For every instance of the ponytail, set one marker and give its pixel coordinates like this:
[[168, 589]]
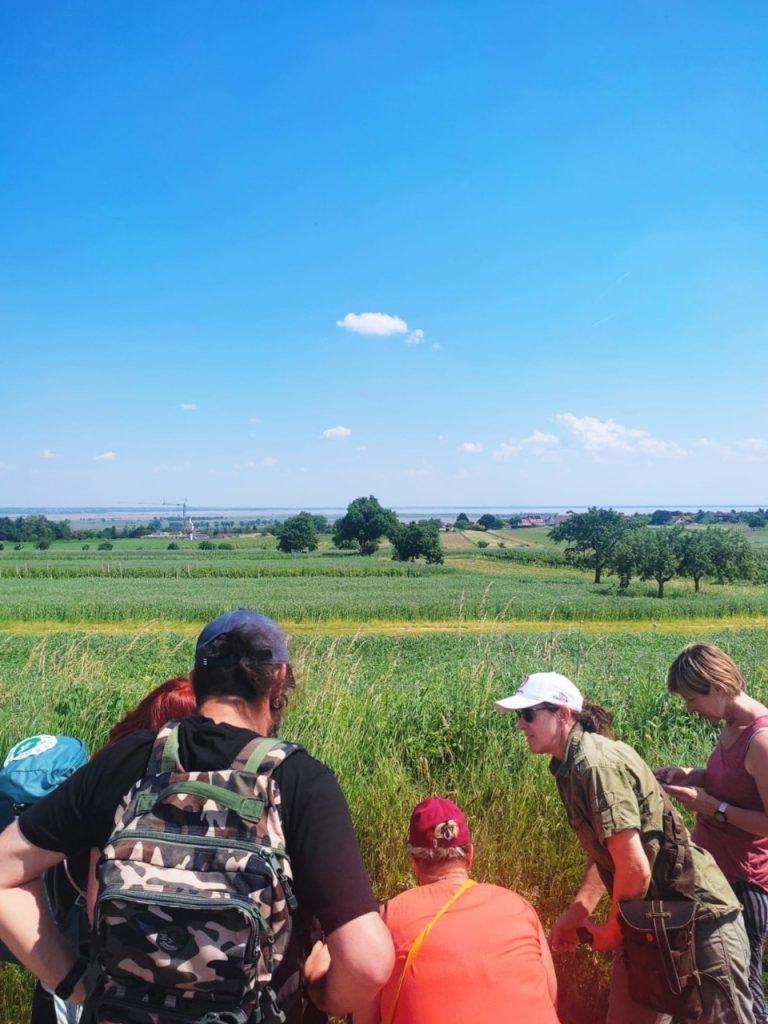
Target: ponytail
[[595, 718]]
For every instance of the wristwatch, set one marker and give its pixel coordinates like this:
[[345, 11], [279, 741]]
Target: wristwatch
[[720, 814]]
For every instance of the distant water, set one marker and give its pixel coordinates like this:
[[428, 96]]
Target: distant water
[[141, 512]]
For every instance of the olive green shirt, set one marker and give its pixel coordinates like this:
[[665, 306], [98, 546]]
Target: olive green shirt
[[606, 788]]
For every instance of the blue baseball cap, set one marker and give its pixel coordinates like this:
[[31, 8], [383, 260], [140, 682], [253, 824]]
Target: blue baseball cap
[[267, 639]]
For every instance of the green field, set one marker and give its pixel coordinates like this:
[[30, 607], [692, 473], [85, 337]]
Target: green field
[[76, 652]]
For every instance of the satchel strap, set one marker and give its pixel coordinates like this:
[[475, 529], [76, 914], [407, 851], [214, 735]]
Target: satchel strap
[[659, 917]]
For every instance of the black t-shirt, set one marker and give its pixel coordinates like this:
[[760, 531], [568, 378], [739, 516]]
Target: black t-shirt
[[330, 880]]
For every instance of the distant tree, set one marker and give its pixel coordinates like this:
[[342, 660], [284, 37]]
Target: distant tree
[[173, 546], [483, 544], [662, 516], [704, 518], [490, 522], [206, 545], [321, 524], [696, 554], [366, 521], [462, 521], [43, 545], [592, 537], [625, 558], [731, 555], [515, 521], [224, 545], [658, 554], [297, 533], [106, 545], [416, 540]]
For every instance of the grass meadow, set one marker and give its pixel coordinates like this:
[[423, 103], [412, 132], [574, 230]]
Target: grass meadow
[[400, 712]]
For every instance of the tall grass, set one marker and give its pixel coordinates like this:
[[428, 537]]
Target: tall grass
[[399, 719]]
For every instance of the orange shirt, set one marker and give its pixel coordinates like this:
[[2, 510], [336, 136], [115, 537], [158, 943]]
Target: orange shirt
[[480, 964]]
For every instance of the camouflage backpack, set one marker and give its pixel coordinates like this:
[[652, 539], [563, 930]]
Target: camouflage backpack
[[193, 913]]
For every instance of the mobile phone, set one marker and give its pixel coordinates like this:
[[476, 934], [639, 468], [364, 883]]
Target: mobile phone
[[585, 936]]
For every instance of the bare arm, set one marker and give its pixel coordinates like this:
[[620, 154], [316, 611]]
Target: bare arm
[[632, 876], [370, 1014], [696, 798], [678, 776], [361, 961], [26, 924], [563, 936]]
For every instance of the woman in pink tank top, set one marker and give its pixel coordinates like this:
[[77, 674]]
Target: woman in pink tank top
[[730, 795]]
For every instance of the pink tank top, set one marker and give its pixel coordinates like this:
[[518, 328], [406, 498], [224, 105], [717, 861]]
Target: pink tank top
[[741, 856]]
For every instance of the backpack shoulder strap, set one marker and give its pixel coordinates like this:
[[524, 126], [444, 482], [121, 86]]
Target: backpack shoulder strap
[[165, 751], [261, 755]]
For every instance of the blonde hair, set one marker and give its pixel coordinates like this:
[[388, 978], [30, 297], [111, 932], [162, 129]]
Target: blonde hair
[[699, 667]]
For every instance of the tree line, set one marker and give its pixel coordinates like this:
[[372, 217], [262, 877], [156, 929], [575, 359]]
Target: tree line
[[607, 542], [361, 529]]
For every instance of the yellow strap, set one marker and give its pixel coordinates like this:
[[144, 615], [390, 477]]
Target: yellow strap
[[413, 952]]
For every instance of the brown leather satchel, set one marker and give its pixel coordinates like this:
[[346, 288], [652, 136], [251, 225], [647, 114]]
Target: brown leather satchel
[[659, 932], [660, 955]]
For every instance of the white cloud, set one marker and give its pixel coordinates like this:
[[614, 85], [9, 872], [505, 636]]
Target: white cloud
[[268, 461], [336, 432], [753, 445], [415, 337], [436, 346], [5, 465], [507, 450], [46, 453], [538, 443], [105, 457], [601, 436], [362, 448], [470, 447], [381, 324], [188, 406], [254, 419]]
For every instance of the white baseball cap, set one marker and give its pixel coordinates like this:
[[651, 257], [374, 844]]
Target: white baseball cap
[[543, 688]]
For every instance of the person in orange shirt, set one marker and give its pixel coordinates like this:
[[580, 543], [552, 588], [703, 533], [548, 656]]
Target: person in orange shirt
[[464, 951]]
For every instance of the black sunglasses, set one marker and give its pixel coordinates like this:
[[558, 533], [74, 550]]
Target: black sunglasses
[[528, 714]]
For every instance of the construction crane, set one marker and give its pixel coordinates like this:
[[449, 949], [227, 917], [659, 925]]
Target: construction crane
[[187, 526]]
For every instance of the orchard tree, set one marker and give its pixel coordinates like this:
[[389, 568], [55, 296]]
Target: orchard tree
[[696, 551], [297, 533], [591, 537], [731, 555], [417, 540], [490, 522], [658, 552], [626, 557], [366, 522]]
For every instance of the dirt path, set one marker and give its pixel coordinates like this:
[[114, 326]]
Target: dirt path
[[342, 627]]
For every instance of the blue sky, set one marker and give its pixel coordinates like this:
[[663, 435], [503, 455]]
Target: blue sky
[[446, 253]]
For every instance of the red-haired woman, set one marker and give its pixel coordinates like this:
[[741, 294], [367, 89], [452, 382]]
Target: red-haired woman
[[168, 702]]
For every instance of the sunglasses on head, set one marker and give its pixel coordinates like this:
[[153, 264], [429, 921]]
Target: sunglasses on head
[[528, 714]]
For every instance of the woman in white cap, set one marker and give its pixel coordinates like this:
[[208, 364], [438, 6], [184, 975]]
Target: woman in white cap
[[615, 806]]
